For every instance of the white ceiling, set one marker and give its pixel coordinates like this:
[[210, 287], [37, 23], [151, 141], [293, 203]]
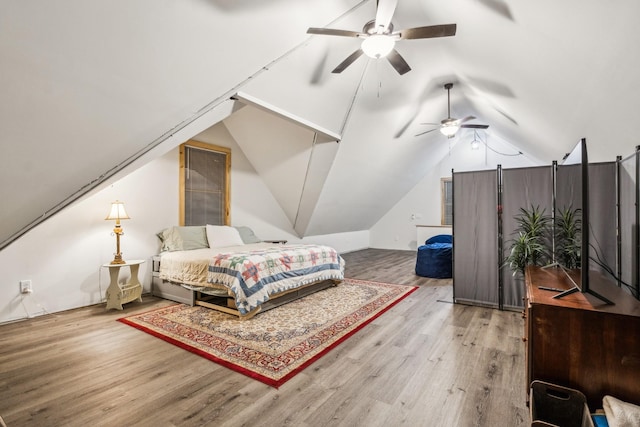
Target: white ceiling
[[87, 85]]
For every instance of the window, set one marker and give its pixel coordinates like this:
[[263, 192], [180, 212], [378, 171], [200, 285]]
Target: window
[[204, 184], [446, 185]]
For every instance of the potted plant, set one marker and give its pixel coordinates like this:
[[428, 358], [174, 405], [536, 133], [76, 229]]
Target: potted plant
[[529, 246], [568, 232]]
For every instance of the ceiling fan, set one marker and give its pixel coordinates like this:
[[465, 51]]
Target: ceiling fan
[[450, 126], [379, 38]]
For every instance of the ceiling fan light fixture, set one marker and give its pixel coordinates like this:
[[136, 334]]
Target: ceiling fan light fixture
[[378, 45], [449, 129]]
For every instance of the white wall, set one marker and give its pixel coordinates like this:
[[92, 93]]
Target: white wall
[[253, 204], [63, 255], [342, 242], [422, 205]]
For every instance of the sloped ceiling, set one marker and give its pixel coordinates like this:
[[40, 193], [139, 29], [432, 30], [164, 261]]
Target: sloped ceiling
[[87, 86], [291, 159]]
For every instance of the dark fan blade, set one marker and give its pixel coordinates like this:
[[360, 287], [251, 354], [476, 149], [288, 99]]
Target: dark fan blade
[[427, 131], [332, 32], [350, 59], [466, 119], [501, 8], [398, 62], [429, 32], [384, 13], [474, 126]]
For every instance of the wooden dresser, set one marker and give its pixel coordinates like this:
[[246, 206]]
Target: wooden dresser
[[580, 342]]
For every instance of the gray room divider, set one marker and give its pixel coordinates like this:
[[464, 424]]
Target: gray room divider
[[524, 187], [475, 230], [603, 217], [602, 209], [486, 203], [628, 218], [568, 187]]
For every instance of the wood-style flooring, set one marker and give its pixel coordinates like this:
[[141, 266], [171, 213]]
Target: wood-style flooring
[[425, 362]]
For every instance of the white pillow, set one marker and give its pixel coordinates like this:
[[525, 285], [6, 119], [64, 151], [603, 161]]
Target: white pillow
[[620, 413], [223, 235]]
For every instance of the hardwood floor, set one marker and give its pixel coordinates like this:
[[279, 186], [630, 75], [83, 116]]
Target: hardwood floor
[[426, 362]]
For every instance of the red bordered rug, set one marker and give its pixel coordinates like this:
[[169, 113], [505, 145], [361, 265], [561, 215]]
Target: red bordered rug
[[275, 345]]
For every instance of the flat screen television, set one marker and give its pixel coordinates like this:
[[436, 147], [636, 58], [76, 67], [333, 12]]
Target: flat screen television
[[579, 156]]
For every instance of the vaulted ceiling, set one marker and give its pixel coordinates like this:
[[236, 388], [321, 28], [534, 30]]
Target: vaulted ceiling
[[88, 86]]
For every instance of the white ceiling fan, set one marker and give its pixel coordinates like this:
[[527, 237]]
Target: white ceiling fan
[[379, 38], [450, 126]]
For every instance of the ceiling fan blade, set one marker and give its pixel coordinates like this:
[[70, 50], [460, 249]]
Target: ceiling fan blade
[[384, 12], [398, 62], [431, 124], [429, 32], [472, 126], [350, 60], [466, 119], [332, 32], [499, 7], [427, 131]]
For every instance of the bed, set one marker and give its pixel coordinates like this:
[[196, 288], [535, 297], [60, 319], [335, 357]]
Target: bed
[[240, 275]]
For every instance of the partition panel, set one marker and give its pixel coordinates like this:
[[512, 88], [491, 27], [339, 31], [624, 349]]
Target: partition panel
[[475, 229], [628, 226], [602, 217], [521, 188], [569, 187]]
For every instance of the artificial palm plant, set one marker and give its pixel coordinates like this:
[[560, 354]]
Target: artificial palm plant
[[529, 247], [568, 232]]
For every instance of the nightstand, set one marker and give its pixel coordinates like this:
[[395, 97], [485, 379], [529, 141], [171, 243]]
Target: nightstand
[[121, 294]]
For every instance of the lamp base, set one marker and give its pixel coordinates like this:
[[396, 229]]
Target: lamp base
[[118, 260], [118, 255]]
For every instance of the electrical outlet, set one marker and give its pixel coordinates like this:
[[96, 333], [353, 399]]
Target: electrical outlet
[[25, 287]]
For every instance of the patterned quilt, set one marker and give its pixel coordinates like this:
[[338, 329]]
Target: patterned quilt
[[254, 276]]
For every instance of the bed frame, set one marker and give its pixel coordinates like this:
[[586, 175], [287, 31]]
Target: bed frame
[[226, 304]]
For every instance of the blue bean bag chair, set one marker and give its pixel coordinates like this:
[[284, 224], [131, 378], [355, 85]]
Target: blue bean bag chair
[[435, 257]]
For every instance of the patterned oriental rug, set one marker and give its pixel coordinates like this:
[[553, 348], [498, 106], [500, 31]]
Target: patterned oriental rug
[[274, 346]]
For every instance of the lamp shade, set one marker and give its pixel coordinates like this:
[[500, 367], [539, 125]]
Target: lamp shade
[[377, 45], [117, 211]]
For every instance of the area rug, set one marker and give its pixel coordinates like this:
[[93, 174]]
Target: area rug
[[274, 346]]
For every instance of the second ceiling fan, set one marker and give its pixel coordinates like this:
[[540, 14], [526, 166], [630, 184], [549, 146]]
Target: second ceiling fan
[[379, 38], [450, 126]]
